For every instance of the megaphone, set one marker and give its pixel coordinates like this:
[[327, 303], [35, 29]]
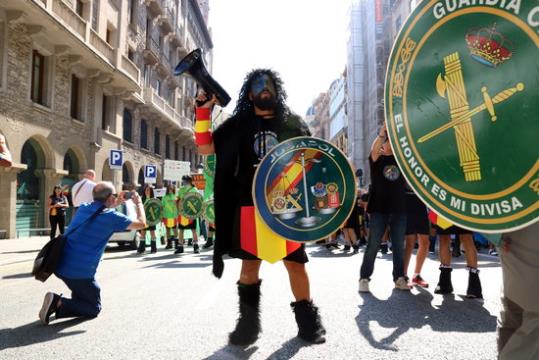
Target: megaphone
[[193, 65]]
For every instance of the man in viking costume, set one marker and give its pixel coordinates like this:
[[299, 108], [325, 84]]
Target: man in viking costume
[[260, 121]]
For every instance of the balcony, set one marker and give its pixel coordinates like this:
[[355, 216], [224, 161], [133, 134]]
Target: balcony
[[155, 7], [166, 20], [70, 18], [160, 105], [102, 46], [152, 51], [130, 68]]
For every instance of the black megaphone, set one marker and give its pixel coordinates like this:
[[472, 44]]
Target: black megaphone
[[193, 65]]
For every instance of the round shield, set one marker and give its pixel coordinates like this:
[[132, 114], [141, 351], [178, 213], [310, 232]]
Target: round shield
[[191, 206], [153, 210], [304, 189], [209, 211], [461, 105]]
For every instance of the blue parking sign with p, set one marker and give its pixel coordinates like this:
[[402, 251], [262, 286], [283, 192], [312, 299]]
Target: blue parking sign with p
[[150, 174], [116, 159]]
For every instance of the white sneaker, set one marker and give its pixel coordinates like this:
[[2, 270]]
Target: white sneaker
[[402, 284], [364, 285]]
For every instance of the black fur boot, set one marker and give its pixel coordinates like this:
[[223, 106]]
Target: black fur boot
[[309, 323], [248, 326], [474, 285], [444, 284], [153, 246], [141, 246]]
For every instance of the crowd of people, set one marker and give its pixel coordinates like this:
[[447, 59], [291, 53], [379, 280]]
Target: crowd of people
[[388, 212]]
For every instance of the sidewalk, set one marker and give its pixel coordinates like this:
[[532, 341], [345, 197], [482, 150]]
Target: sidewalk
[[19, 250]]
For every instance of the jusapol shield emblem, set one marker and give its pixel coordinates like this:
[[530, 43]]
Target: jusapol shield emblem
[[461, 105], [304, 189]]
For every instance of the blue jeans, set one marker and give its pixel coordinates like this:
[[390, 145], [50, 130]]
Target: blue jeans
[[397, 229], [85, 299]]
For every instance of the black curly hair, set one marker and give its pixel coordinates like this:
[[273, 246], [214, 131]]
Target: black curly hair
[[245, 105]]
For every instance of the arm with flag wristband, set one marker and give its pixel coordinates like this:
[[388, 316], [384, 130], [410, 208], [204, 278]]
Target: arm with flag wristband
[[203, 126]]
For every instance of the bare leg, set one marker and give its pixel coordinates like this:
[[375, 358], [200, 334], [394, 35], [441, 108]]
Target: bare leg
[[471, 252], [299, 280], [421, 252], [249, 271], [410, 242], [181, 240], [445, 254], [350, 235]]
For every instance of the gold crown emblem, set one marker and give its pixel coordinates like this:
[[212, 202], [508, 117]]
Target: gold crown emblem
[[488, 46]]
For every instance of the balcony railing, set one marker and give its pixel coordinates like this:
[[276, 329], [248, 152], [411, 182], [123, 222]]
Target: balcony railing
[[151, 97], [69, 17], [129, 67], [102, 46]]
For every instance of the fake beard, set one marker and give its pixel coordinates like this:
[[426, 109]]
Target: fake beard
[[265, 103]]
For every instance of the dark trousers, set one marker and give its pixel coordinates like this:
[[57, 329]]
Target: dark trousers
[[85, 299], [57, 220]]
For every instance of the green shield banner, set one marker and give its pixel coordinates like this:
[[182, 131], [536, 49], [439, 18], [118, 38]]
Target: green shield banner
[[462, 109], [191, 205]]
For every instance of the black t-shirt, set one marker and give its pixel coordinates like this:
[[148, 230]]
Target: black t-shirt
[[59, 200], [257, 138], [388, 189]]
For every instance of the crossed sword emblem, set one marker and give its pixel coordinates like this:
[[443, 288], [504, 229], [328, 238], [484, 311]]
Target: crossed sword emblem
[[452, 86]]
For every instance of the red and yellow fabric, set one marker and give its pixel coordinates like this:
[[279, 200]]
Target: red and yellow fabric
[[293, 173], [203, 126], [439, 220], [256, 238], [183, 221]]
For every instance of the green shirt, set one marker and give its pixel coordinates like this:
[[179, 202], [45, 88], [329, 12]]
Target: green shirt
[[170, 206]]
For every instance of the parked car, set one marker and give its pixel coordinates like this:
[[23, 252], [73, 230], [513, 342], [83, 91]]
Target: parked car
[[126, 238]]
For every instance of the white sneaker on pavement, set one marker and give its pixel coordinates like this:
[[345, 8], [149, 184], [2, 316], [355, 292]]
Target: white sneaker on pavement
[[402, 284], [364, 285]]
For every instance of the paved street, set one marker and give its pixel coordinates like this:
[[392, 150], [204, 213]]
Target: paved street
[[169, 307]]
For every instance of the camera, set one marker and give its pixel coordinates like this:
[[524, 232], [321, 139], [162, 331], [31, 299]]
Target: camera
[[128, 195]]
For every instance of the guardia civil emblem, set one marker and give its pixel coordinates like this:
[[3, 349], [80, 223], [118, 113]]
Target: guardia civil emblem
[[304, 189], [192, 205], [208, 211], [153, 210], [461, 101]]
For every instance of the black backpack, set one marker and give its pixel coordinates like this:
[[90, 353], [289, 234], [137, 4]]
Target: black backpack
[[49, 256]]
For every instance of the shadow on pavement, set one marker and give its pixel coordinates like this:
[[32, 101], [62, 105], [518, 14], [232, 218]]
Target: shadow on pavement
[[177, 264], [35, 332], [231, 352], [404, 311], [289, 349], [17, 276]]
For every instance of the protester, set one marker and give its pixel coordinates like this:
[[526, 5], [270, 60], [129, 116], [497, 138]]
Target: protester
[[445, 285], [5, 155], [518, 324], [147, 194], [261, 113], [57, 204], [351, 226], [417, 228], [82, 191], [387, 207], [83, 251], [183, 222], [170, 216]]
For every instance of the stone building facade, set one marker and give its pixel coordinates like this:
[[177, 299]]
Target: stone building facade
[[81, 77]]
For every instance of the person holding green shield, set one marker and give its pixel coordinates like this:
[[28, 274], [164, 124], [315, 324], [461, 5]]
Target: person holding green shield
[[170, 216], [147, 194], [183, 222]]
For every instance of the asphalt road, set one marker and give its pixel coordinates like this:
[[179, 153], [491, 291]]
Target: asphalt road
[[163, 306]]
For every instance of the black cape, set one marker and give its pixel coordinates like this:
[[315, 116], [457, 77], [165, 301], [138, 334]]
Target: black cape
[[226, 139]]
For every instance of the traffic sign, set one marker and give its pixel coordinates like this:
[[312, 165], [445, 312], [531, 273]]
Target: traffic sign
[[150, 174], [116, 159]]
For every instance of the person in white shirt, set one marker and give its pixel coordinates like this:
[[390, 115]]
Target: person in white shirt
[[81, 192], [5, 155]]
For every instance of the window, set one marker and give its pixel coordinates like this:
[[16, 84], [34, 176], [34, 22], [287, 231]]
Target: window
[[183, 153], [106, 123], [38, 78], [76, 98], [176, 151], [158, 87], [95, 14], [167, 147], [111, 35], [131, 54], [131, 11], [2, 51], [79, 7], [128, 126], [156, 142], [143, 134]]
